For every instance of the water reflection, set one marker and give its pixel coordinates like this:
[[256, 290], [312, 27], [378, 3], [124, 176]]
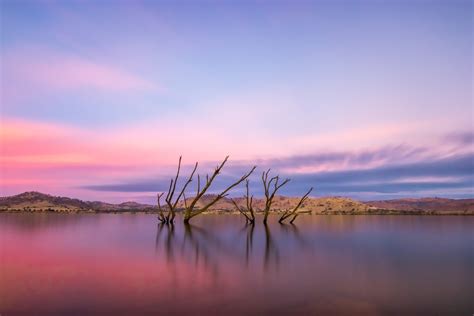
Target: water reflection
[[293, 231], [202, 247], [218, 265], [272, 255], [249, 229]]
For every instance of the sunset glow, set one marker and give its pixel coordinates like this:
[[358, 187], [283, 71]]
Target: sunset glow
[[99, 100]]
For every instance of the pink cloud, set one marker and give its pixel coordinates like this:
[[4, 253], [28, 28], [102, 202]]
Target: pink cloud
[[43, 70], [73, 72], [150, 145], [59, 158]]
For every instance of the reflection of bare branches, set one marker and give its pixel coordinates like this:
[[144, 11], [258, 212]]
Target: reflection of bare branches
[[213, 240], [187, 247], [158, 235], [300, 239], [199, 246], [169, 243], [200, 250], [207, 249], [271, 250], [249, 243]]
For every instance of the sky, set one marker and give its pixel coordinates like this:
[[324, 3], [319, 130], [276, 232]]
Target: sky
[[365, 99]]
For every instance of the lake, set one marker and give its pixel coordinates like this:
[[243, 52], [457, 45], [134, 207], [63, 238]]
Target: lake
[[126, 264]]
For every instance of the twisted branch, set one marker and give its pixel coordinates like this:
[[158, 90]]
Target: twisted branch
[[250, 217], [190, 211], [293, 212], [173, 203], [270, 191]]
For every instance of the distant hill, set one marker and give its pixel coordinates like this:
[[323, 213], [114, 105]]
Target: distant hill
[[35, 201], [425, 204], [315, 205]]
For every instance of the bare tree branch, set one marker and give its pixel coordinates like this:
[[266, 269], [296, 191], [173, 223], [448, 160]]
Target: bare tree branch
[[293, 212], [248, 212], [175, 180], [184, 201], [173, 203], [161, 215], [270, 191], [247, 218], [190, 179], [190, 211]]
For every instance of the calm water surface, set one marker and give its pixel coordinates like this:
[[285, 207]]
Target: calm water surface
[[325, 265]]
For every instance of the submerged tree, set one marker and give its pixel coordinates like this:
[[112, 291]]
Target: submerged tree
[[294, 212], [191, 210], [170, 202], [270, 189], [248, 211], [161, 214]]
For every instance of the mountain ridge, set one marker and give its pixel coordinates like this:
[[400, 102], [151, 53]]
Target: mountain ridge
[[33, 201], [40, 201]]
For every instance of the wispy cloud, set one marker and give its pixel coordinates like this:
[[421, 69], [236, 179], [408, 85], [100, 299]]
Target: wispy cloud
[[39, 71], [336, 160], [464, 138], [457, 171], [422, 177], [142, 159]]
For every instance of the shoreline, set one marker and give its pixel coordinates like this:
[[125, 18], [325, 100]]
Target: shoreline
[[224, 212]]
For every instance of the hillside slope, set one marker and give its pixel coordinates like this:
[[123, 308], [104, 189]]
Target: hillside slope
[[315, 205], [425, 204], [36, 201]]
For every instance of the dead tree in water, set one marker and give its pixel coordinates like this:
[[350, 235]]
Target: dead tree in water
[[191, 211], [170, 202], [294, 212], [248, 212], [161, 214], [270, 191]]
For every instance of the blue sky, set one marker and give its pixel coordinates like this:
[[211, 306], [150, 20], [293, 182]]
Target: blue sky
[[126, 87]]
